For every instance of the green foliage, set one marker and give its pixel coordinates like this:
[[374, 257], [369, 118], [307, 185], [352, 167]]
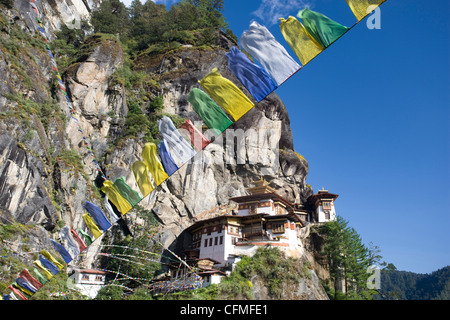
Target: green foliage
[[72, 158], [111, 17], [26, 107], [144, 268], [348, 259], [403, 285], [271, 265], [110, 293], [151, 26], [57, 289]]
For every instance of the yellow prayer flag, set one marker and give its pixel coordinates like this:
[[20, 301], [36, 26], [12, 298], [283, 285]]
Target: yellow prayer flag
[[299, 39], [92, 226], [153, 164], [113, 193], [38, 264], [226, 94], [360, 8], [47, 255], [142, 175]]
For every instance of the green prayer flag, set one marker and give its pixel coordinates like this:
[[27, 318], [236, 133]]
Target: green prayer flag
[[207, 109], [39, 276], [127, 192], [87, 237], [321, 28]]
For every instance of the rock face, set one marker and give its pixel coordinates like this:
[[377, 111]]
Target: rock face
[[56, 12], [46, 173]]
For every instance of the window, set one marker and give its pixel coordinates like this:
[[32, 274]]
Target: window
[[98, 278], [206, 242], [210, 241], [215, 240], [326, 205], [233, 240], [327, 215], [221, 239], [278, 227], [85, 277]]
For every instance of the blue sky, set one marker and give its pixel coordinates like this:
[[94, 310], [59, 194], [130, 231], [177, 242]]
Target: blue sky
[[371, 116]]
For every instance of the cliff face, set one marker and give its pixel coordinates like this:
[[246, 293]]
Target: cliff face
[[46, 174]]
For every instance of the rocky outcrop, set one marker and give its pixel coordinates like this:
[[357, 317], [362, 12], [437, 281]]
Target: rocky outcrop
[[46, 173], [56, 12]]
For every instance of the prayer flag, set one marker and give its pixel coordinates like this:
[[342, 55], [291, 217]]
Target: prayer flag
[[33, 281], [38, 264], [142, 176], [77, 238], [166, 158], [127, 192], [226, 94], [115, 197], [207, 109], [97, 214], [197, 138], [262, 46], [62, 251], [91, 225], [179, 147], [254, 78], [153, 164], [298, 38], [322, 28], [87, 237], [360, 8], [66, 237]]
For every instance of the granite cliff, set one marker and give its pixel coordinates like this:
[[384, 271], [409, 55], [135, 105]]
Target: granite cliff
[[45, 172]]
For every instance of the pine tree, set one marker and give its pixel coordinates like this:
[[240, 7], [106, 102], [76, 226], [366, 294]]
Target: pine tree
[[348, 258]]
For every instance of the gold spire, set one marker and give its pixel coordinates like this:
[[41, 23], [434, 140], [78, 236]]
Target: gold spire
[[261, 186]]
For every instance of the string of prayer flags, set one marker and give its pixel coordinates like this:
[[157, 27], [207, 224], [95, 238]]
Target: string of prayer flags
[[307, 39], [127, 192], [153, 164], [254, 78], [179, 147], [115, 197], [142, 176], [210, 113], [226, 94], [91, 225], [273, 57], [197, 138], [97, 214], [321, 28], [166, 158], [301, 42], [361, 8]]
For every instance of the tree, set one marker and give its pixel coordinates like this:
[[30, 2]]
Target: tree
[[111, 17], [348, 258]]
